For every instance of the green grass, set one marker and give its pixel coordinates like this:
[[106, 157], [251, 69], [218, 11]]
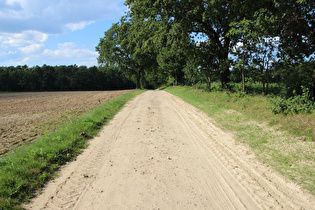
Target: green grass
[[25, 170], [286, 142]]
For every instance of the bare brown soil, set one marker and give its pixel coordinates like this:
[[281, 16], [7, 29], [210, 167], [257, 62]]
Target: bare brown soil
[[26, 116], [161, 153]]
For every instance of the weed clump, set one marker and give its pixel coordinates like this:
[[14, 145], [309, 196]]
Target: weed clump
[[295, 104]]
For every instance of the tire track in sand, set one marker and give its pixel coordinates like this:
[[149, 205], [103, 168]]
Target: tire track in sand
[[161, 153]]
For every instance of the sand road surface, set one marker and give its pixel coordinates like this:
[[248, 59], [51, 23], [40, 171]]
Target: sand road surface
[[161, 153]]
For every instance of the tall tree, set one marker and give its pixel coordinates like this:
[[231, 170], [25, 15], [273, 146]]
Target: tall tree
[[295, 23], [172, 44], [48, 77], [211, 18], [296, 20], [63, 76], [128, 46], [208, 60], [256, 45]]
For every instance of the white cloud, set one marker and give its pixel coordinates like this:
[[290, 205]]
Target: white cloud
[[25, 60], [78, 26], [26, 24], [10, 5], [53, 17], [24, 38], [33, 48], [66, 54], [12, 52], [67, 45]]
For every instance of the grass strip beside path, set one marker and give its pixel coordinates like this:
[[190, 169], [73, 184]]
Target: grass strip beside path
[[25, 170], [284, 142]]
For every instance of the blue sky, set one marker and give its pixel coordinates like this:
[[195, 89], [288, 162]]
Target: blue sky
[[54, 32]]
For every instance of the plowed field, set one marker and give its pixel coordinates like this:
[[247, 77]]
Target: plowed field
[[26, 116]]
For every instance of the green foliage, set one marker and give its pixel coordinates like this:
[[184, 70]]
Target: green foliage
[[61, 78], [127, 45], [208, 19], [294, 76], [295, 104], [259, 35], [296, 29], [25, 170]]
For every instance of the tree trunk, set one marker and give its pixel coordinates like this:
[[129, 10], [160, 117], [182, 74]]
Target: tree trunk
[[224, 70], [209, 82], [243, 80], [267, 79], [263, 76], [264, 89], [138, 79]]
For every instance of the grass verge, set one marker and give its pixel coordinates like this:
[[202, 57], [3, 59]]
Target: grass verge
[[286, 142], [25, 170]]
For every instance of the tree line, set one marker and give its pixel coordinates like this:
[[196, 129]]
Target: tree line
[[189, 42], [62, 78]]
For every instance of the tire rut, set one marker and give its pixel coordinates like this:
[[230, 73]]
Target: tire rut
[[266, 185], [161, 153], [70, 191]]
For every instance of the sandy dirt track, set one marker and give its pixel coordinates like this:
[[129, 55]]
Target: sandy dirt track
[[161, 153]]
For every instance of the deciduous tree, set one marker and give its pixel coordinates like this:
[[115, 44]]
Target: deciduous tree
[[211, 18], [127, 45]]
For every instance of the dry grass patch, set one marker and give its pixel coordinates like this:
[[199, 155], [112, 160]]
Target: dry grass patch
[[286, 142]]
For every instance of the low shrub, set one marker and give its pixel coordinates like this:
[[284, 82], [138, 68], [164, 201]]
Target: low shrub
[[296, 104]]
